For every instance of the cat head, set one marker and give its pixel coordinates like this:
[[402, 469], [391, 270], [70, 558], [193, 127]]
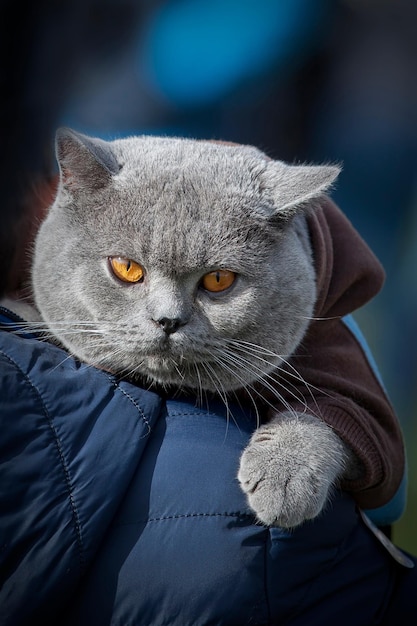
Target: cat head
[[178, 261]]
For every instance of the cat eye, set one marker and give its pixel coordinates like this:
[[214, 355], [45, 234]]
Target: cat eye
[[219, 280], [126, 270]]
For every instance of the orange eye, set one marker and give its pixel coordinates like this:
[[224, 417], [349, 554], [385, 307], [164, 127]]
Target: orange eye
[[219, 280], [126, 270]]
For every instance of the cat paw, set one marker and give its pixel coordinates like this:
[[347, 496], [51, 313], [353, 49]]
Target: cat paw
[[289, 468]]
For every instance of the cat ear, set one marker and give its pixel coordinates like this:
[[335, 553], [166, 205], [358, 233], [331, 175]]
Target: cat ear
[[84, 162], [292, 186]]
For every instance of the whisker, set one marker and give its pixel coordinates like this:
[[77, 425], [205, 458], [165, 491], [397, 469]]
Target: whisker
[[200, 386], [223, 394], [245, 385], [227, 363], [310, 387], [319, 319], [291, 371], [180, 374], [218, 385]]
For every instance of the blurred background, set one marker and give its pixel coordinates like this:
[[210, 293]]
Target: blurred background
[[304, 80]]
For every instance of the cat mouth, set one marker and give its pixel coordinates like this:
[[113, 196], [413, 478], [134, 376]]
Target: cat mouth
[[171, 366], [173, 350], [165, 360], [165, 370]]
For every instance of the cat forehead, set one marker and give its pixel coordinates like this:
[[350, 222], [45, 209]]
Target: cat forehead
[[189, 167], [183, 186]]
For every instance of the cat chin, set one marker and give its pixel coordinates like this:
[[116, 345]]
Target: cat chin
[[167, 373], [192, 383]]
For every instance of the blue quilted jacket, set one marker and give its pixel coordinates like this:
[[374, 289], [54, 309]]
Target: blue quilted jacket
[[121, 508]]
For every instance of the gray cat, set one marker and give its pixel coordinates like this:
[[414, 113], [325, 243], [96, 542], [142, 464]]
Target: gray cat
[[187, 264]]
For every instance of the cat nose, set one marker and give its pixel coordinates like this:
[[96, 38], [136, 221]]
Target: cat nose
[[169, 325]]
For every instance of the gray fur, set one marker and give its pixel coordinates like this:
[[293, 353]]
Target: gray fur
[[183, 208]]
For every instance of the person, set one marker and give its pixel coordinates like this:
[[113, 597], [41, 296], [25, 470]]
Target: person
[[120, 506]]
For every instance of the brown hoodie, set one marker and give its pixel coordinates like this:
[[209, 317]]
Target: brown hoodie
[[347, 394]]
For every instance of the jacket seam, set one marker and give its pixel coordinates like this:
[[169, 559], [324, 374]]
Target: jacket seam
[[164, 518], [64, 465], [134, 402]]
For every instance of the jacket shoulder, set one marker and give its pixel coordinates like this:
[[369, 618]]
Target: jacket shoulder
[[65, 426]]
